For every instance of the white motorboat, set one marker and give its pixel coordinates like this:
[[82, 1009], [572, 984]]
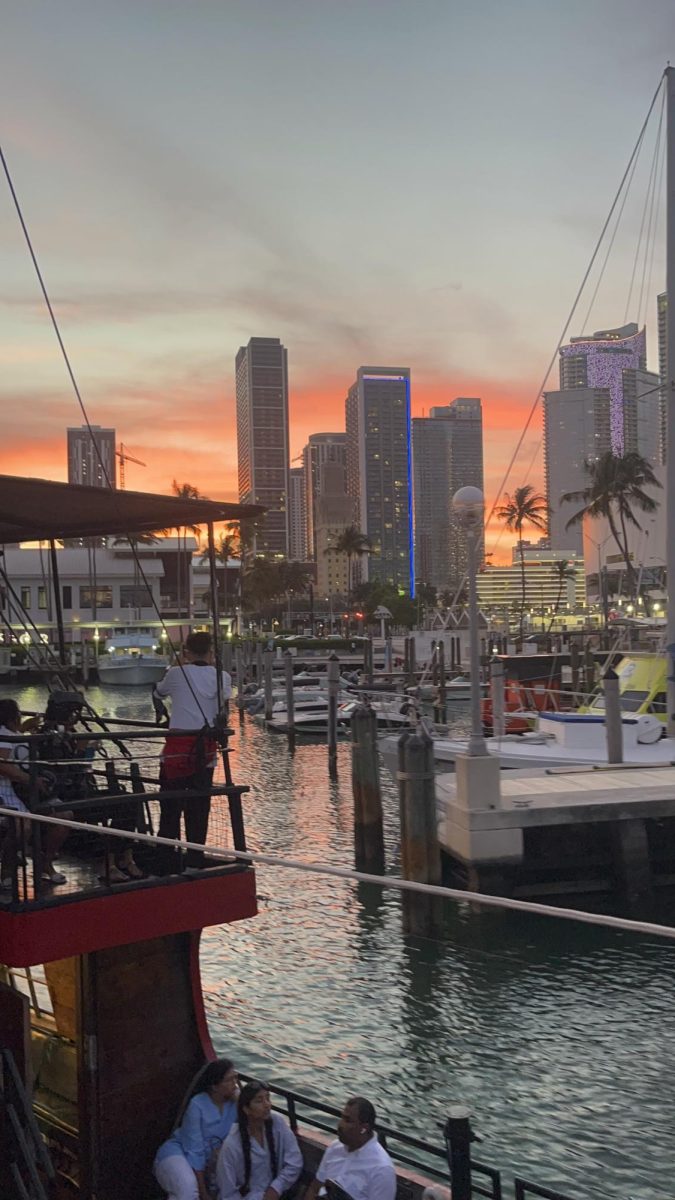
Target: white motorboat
[[560, 740], [390, 714], [131, 660]]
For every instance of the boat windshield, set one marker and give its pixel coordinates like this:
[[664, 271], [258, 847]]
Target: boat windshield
[[630, 701]]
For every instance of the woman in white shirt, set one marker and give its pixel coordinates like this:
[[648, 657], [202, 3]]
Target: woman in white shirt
[[260, 1159]]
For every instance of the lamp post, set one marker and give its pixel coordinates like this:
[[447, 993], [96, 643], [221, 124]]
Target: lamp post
[[468, 505]]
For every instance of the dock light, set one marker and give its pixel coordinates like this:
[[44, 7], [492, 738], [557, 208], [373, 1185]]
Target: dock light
[[163, 635], [96, 635], [657, 608], [468, 505], [25, 639]]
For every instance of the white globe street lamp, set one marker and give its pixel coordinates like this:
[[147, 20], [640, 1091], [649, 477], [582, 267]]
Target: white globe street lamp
[[468, 505]]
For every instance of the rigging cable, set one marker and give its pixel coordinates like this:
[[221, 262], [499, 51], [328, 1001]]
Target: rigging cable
[[396, 882], [83, 410]]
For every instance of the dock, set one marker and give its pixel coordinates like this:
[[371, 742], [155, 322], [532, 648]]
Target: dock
[[564, 831]]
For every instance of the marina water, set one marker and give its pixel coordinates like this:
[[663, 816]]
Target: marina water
[[559, 1037]]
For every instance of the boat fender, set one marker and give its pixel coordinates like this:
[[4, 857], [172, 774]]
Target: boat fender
[[649, 729]]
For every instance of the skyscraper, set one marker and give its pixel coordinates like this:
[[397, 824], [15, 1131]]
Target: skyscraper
[[93, 465], [321, 448], [607, 400], [297, 511], [262, 440], [379, 471], [447, 455]]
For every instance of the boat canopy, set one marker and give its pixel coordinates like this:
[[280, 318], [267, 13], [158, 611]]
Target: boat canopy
[[41, 509]]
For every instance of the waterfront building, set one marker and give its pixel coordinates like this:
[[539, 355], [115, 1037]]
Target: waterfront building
[[500, 587], [321, 448], [262, 440], [607, 401], [89, 464], [334, 514], [447, 455], [297, 513], [379, 473]]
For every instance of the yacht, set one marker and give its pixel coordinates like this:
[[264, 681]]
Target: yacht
[[131, 660]]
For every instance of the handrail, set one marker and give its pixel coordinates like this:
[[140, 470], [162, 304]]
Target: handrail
[[20, 1100]]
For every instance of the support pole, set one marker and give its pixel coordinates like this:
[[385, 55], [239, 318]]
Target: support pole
[[420, 852], [442, 699], [290, 699], [412, 661], [213, 592], [368, 823], [497, 698], [60, 633], [458, 1137], [333, 690], [258, 663], [613, 726], [669, 389], [268, 659], [239, 668], [388, 655]]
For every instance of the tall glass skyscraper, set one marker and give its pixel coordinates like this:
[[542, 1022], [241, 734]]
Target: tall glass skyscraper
[[93, 465], [262, 440], [379, 477]]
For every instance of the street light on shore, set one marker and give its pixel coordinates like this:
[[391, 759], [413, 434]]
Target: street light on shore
[[468, 505]]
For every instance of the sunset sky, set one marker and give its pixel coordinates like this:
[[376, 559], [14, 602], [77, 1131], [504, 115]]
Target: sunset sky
[[414, 183]]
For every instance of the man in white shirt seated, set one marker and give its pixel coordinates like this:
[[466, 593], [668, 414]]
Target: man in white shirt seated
[[188, 762], [356, 1163]]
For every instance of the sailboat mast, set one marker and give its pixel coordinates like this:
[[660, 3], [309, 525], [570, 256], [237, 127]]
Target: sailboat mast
[[669, 387]]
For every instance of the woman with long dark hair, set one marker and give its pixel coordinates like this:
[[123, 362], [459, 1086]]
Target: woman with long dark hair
[[260, 1159], [184, 1164]]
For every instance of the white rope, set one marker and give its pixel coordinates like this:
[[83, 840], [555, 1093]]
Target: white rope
[[384, 881]]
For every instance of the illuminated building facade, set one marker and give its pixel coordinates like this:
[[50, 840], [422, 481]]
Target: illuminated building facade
[[608, 401], [321, 449], [262, 440], [379, 479], [297, 512], [89, 464]]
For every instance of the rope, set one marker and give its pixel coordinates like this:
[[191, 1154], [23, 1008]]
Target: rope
[[395, 883]]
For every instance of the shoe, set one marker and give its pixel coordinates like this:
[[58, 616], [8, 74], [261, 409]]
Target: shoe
[[54, 877]]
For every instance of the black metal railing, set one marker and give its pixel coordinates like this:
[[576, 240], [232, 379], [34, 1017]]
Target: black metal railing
[[29, 1163], [432, 1161], [107, 794]]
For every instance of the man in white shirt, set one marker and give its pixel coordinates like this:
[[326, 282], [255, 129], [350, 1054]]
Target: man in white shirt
[[188, 761], [356, 1163]]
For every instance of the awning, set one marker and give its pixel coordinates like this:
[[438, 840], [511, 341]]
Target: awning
[[39, 509]]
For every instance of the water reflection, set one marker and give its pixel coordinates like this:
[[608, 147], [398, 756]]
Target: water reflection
[[559, 1037]]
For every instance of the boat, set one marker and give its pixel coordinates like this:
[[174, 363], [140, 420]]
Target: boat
[[313, 720], [131, 660], [457, 690], [559, 740], [643, 680]]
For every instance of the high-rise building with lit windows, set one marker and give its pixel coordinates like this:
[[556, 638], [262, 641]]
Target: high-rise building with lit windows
[[608, 401], [297, 514], [262, 440], [89, 464], [379, 476], [321, 449], [447, 455]]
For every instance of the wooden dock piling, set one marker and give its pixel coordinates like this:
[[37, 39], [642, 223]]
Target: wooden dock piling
[[258, 663], [368, 825], [442, 703], [290, 699], [239, 670], [497, 698], [333, 691], [268, 659], [420, 851], [613, 726]]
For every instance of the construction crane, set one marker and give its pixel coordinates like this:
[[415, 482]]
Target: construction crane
[[124, 457]]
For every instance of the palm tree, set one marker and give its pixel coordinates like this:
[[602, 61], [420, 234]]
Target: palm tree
[[185, 491], [615, 488], [524, 507], [228, 546], [353, 543], [563, 572]]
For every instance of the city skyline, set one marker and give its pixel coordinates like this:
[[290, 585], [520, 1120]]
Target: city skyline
[[177, 216]]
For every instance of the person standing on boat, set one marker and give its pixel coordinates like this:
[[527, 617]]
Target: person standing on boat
[[188, 762], [184, 1164], [355, 1163], [260, 1159]]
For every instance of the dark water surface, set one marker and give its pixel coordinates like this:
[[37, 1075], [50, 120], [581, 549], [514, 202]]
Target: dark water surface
[[560, 1038]]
